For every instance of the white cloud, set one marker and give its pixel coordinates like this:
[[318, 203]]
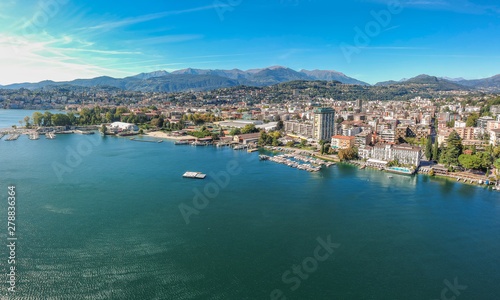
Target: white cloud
[[34, 60], [146, 18]]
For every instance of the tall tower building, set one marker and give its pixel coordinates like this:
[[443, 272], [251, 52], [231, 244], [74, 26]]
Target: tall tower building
[[359, 104], [324, 124]]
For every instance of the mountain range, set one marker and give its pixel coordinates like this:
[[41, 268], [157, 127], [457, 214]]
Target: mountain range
[[208, 79]]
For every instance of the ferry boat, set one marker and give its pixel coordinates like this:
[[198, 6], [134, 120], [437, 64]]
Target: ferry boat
[[194, 175]]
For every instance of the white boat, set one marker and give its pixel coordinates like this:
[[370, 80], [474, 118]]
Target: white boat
[[194, 175]]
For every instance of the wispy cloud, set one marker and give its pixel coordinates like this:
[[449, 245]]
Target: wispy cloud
[[175, 38], [458, 6], [97, 51], [149, 17], [393, 48]]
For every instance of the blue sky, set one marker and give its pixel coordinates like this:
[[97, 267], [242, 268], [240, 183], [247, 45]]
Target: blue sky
[[65, 39]]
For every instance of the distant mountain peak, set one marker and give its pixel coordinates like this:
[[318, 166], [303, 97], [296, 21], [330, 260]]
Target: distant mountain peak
[[153, 74]]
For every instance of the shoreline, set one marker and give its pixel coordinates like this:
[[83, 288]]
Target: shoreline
[[162, 135]]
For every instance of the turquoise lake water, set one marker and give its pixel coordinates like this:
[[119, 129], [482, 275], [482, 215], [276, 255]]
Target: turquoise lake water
[[100, 218]]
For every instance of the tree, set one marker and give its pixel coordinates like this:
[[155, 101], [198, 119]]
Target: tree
[[431, 173], [60, 120], [235, 131], [72, 118], [27, 121], [158, 122], [473, 149], [290, 144], [486, 160], [104, 129], [141, 131], [303, 143], [428, 148], [472, 120], [37, 118], [280, 125], [453, 150], [435, 151], [250, 128], [109, 117], [347, 154], [471, 162], [47, 119]]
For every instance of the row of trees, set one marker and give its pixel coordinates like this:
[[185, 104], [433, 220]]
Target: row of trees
[[94, 116], [454, 154]]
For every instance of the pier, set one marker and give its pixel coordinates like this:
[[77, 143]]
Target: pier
[[50, 135], [13, 137], [147, 141]]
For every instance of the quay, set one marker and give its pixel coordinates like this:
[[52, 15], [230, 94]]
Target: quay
[[194, 175]]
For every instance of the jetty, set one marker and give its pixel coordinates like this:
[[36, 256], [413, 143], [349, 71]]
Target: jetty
[[240, 147], [13, 137], [50, 135], [147, 141], [84, 132], [194, 175]]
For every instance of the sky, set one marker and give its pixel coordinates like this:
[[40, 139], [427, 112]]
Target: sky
[[370, 40]]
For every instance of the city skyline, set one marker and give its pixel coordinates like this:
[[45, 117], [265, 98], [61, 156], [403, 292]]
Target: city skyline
[[372, 40]]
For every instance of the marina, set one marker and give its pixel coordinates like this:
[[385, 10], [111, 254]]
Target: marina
[[310, 165]]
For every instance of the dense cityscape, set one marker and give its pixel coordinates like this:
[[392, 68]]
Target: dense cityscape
[[455, 135]]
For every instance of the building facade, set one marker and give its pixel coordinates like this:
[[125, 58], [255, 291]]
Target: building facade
[[342, 142], [324, 123], [405, 154], [300, 128]]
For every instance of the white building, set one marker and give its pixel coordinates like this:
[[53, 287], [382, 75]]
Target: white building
[[404, 153], [124, 126]]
